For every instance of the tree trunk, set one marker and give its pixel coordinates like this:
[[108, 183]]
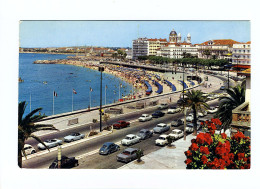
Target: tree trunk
[[194, 120], [20, 160], [184, 132]]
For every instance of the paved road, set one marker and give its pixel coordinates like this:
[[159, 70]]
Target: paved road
[[84, 147]]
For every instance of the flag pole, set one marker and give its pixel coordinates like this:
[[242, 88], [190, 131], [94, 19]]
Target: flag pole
[[30, 102], [53, 103], [106, 95], [119, 92], [72, 102], [90, 98]]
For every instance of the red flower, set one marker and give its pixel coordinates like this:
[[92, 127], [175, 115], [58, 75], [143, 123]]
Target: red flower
[[188, 153], [208, 138], [223, 135], [204, 150], [247, 166], [204, 159], [188, 161], [238, 136], [231, 156], [240, 156], [194, 147]]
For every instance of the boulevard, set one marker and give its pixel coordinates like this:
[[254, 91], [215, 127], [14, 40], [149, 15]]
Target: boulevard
[[96, 161]]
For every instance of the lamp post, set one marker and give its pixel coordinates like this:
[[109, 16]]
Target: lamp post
[[237, 57], [101, 69]]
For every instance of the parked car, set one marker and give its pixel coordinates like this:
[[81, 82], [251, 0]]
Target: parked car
[[202, 114], [190, 117], [162, 140], [212, 110], [176, 134], [73, 137], [158, 114], [66, 162], [130, 139], [222, 88], [145, 133], [163, 106], [127, 155], [145, 117], [176, 123], [173, 110], [28, 149], [160, 128], [108, 148], [189, 127], [49, 143], [121, 124]]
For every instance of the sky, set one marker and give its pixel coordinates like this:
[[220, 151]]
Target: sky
[[121, 33]]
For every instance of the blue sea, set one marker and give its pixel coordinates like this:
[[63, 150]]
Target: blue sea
[[41, 80]]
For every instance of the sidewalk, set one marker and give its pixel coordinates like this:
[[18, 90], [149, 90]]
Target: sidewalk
[[165, 158]]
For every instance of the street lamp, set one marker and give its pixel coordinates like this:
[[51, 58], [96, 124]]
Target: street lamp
[[237, 56], [101, 69]]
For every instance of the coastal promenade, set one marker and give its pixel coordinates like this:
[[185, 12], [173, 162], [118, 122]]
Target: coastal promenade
[[83, 118]]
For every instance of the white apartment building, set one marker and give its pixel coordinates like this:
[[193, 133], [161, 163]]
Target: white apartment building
[[176, 50], [241, 53], [140, 47]]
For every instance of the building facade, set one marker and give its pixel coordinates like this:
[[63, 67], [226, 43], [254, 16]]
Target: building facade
[[216, 49], [177, 50], [154, 45], [241, 53], [140, 47]]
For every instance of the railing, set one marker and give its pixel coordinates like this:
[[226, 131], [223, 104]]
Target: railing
[[241, 116]]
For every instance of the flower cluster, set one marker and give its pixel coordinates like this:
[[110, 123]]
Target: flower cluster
[[218, 151]]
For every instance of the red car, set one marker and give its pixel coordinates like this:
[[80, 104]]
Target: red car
[[121, 124]]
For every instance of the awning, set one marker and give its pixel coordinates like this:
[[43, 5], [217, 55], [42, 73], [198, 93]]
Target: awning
[[241, 66]]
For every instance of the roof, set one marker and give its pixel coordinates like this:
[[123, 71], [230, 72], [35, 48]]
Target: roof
[[161, 124], [163, 136], [157, 39], [228, 42], [130, 135], [176, 130], [130, 149]]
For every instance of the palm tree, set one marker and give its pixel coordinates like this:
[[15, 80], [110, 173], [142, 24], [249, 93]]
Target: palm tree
[[26, 128], [228, 103], [196, 102]]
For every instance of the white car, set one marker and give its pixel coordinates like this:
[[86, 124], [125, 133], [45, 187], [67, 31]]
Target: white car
[[176, 134], [202, 114], [190, 117], [163, 106], [130, 139], [173, 110], [162, 140], [160, 128], [145, 117], [28, 149], [73, 137], [49, 143], [189, 128], [212, 110]]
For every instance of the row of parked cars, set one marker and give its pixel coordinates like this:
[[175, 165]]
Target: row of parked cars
[[50, 143]]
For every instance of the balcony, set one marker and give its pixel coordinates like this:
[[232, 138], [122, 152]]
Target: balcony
[[241, 117]]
